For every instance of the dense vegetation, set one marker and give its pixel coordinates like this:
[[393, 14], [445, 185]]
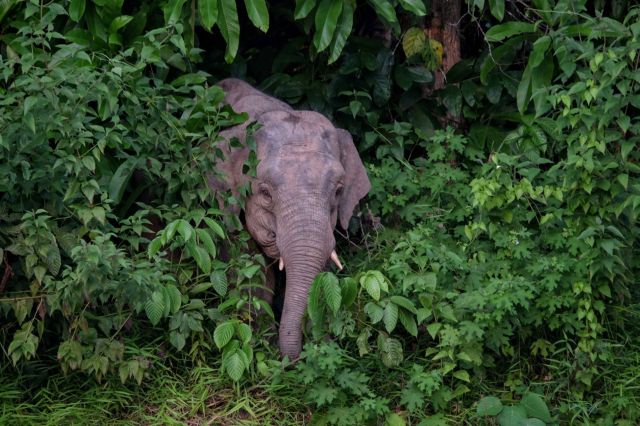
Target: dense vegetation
[[490, 274]]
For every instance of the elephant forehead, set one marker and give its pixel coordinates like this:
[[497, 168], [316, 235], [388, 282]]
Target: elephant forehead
[[296, 132], [311, 169]]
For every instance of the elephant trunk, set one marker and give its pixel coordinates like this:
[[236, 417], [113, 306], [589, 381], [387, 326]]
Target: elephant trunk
[[305, 241]]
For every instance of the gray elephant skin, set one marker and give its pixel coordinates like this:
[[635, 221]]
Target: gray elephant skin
[[308, 177]]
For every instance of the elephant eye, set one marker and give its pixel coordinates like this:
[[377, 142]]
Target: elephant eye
[[338, 191], [265, 193]]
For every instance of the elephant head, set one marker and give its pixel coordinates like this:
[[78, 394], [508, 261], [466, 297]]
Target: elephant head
[[308, 177]]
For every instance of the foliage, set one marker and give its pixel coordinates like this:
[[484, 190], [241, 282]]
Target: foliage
[[85, 138], [531, 410]]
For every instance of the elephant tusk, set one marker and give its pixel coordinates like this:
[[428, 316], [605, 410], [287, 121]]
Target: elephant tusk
[[281, 264], [334, 258]]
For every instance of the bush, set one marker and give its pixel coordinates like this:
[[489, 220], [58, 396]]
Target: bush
[[86, 138]]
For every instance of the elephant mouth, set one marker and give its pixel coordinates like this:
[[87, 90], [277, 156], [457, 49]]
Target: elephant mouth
[[271, 250]]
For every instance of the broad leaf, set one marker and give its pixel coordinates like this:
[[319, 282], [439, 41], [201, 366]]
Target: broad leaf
[[331, 290], [76, 9], [258, 14], [208, 11], [375, 312], [214, 226], [405, 303], [390, 317], [303, 8], [497, 8], [229, 27], [172, 11], [385, 10], [120, 179], [408, 322], [234, 365], [201, 257], [175, 297], [205, 239], [489, 406], [342, 31], [326, 21], [416, 7], [223, 334], [219, 280], [509, 29], [512, 416], [154, 308], [243, 331], [536, 407]]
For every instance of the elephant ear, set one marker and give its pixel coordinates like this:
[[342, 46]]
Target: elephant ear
[[229, 174], [356, 181]]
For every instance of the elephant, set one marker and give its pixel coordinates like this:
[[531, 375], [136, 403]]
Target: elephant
[[308, 177]]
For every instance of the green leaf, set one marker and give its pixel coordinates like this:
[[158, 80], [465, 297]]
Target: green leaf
[[489, 406], [532, 422], [374, 311], [214, 226], [373, 282], [342, 32], [363, 342], [119, 22], [315, 308], [390, 317], [536, 407], [405, 303], [408, 322], [223, 334], [208, 11], [497, 9], [258, 14], [219, 280], [394, 419], [154, 246], [414, 41], [524, 90], [331, 290], [501, 55], [624, 180], [390, 350], [154, 308], [76, 9], [539, 49], [385, 10], [185, 229], [243, 331], [462, 375], [205, 239], [229, 27], [201, 257], [303, 8], [326, 21], [416, 7], [433, 329], [172, 11], [234, 366], [349, 289], [508, 29], [177, 340], [175, 297], [120, 179], [512, 416]]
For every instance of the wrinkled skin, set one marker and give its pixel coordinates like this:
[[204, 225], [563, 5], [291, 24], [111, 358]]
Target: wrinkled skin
[[309, 176]]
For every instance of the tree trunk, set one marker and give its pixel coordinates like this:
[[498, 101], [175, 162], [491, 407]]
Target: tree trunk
[[443, 27]]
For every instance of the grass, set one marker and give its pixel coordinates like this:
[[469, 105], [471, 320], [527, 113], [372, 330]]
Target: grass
[[167, 396], [173, 392]]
